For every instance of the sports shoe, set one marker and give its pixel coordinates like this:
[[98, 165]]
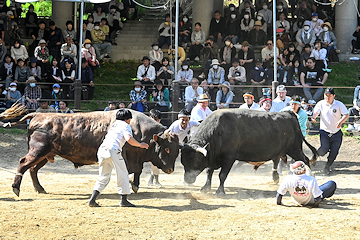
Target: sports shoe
[[311, 101], [197, 59], [350, 128], [107, 56]]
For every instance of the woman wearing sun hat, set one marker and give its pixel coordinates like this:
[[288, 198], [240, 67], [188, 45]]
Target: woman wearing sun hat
[[224, 96]]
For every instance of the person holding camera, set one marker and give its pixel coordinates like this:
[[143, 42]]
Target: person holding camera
[[237, 76], [165, 31], [207, 54], [267, 53]]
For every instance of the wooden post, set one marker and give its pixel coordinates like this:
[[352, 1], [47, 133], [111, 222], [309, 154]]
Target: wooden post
[[77, 94]]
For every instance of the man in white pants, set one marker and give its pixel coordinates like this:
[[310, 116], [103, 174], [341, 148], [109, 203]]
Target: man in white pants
[[109, 155]]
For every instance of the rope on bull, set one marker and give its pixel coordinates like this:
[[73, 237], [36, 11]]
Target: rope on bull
[[15, 110]]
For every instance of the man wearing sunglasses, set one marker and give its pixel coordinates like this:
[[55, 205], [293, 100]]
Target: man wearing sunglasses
[[267, 54]]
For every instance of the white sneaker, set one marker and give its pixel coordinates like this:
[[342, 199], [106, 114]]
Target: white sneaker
[[202, 75], [350, 128], [197, 59], [357, 127], [312, 101]]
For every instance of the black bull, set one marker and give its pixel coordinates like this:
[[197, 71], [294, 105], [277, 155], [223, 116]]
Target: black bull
[[244, 135], [76, 137]]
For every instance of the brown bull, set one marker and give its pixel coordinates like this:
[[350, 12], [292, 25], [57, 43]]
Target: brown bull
[[77, 137]]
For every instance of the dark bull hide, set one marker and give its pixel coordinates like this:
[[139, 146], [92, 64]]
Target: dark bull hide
[[77, 137], [244, 135]]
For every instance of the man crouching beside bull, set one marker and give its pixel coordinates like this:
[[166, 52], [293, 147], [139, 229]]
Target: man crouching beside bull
[[109, 155]]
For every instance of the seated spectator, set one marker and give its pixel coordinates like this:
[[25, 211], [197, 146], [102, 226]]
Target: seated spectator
[[197, 42], [216, 77], [354, 112], [44, 107], [56, 94], [98, 14], [161, 96], [22, 72], [312, 75], [122, 105], [356, 43], [104, 27], [305, 36], [68, 77], [90, 23], [282, 38], [284, 58], [33, 94], [18, 51], [267, 16], [319, 54], [185, 30], [249, 102], [35, 70], [283, 23], [218, 28], [181, 54], [233, 28], [293, 78], [303, 11], [7, 72], [265, 104], [327, 38], [257, 77], [42, 55], [131, 8], [305, 55], [316, 24], [86, 34], [165, 30], [54, 75], [87, 79], [146, 73], [111, 106], [185, 74], [246, 7], [37, 35], [246, 25], [281, 9], [3, 51], [69, 31], [56, 38], [63, 108], [257, 37], [293, 54], [8, 28], [69, 50], [31, 20], [138, 98], [166, 72], [264, 25], [207, 54], [114, 23], [88, 52], [98, 40], [227, 53], [156, 55], [246, 57], [224, 96], [267, 54], [192, 94], [13, 95], [281, 101], [237, 76], [295, 106], [201, 110]]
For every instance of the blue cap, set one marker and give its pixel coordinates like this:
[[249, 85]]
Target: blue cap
[[315, 14], [307, 23], [56, 85]]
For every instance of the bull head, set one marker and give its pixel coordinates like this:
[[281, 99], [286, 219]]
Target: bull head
[[203, 150]]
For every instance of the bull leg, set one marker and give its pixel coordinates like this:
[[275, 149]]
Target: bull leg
[[207, 187], [275, 174], [222, 176], [135, 184], [33, 173]]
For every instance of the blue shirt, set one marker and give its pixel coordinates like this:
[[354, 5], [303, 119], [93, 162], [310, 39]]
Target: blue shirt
[[302, 117]]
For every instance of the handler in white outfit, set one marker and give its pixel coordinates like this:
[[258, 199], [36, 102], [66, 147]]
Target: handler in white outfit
[[182, 127], [109, 155], [201, 110]]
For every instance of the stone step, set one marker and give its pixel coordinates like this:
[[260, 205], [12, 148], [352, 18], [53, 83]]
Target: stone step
[[347, 56], [138, 36], [139, 31]]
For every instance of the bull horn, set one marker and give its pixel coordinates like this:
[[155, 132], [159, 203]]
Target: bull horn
[[181, 146], [167, 135], [201, 150]]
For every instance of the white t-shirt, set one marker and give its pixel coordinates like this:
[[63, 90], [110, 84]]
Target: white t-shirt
[[176, 128], [117, 135], [254, 106], [302, 188], [199, 114], [278, 105], [330, 114]]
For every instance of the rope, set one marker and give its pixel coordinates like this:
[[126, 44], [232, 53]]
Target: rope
[[148, 7], [6, 170], [356, 7]]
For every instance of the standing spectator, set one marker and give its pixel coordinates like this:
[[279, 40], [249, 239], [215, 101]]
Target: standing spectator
[[249, 102], [281, 101], [98, 15], [37, 35], [63, 108], [293, 78], [207, 54], [56, 95], [185, 30], [354, 111], [201, 110], [246, 57], [257, 37], [88, 52], [146, 73], [130, 7], [138, 97], [303, 11], [312, 75], [87, 78], [68, 77], [98, 39], [69, 50], [12, 95], [31, 20], [217, 28], [22, 72], [35, 70], [44, 107], [227, 53], [32, 94], [197, 42], [9, 22], [86, 34], [233, 28], [333, 114], [246, 25], [237, 76], [166, 72], [356, 43], [257, 77], [283, 23], [166, 29], [55, 39], [267, 54], [156, 55], [305, 36], [216, 77], [3, 52], [161, 96], [69, 31], [18, 51], [114, 23], [327, 38], [316, 24], [42, 56], [192, 94], [181, 54], [54, 75], [224, 96], [7, 71]]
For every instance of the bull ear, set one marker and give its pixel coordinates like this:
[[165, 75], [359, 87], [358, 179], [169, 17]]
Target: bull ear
[[155, 137]]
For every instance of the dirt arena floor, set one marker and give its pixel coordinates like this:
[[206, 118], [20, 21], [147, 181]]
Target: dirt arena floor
[[247, 211]]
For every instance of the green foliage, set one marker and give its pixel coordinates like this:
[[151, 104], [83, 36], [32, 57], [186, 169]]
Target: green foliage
[[13, 131], [228, 2], [43, 8]]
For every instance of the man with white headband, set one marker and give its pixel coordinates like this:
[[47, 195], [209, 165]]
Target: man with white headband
[[303, 188]]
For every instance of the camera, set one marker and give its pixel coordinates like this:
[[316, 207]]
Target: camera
[[207, 44], [237, 74]]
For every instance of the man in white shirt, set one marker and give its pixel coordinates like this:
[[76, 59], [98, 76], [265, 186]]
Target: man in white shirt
[[303, 188], [182, 127], [267, 53], [146, 72], [109, 155], [281, 101], [201, 110], [249, 102], [192, 94], [333, 114]]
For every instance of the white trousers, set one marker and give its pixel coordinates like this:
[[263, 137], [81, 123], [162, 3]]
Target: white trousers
[[106, 165], [154, 169]]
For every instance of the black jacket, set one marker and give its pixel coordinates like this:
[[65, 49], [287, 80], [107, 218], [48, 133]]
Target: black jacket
[[216, 28]]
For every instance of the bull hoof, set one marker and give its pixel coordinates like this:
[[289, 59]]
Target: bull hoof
[[134, 188], [205, 189], [41, 191], [16, 191], [219, 193], [276, 181]]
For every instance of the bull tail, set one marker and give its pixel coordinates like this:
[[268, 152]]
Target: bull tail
[[14, 111], [28, 116], [313, 150]]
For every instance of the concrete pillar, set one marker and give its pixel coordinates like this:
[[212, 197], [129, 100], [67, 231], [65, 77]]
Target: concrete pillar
[[346, 22], [62, 12], [219, 5], [203, 11]]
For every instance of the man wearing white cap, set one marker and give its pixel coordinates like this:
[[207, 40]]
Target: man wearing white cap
[[12, 95], [303, 188], [201, 110], [216, 77], [281, 101]]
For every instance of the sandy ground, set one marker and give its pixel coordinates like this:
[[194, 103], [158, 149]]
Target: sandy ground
[[247, 211]]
